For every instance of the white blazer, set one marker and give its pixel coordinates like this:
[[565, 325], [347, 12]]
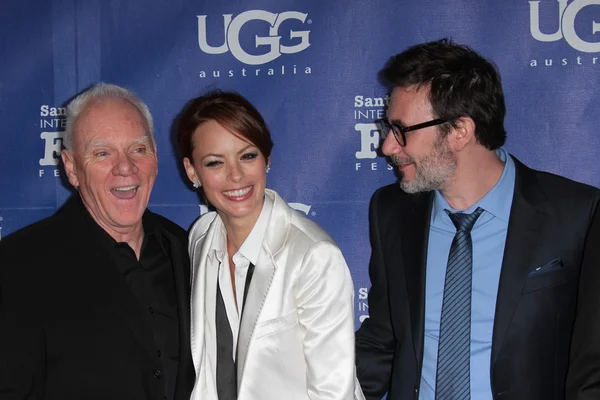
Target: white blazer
[[296, 337]]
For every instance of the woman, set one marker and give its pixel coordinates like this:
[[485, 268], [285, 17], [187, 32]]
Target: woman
[[272, 297]]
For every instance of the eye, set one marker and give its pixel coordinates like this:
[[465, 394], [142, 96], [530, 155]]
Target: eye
[[212, 164], [101, 153], [249, 156], [398, 127], [140, 150]]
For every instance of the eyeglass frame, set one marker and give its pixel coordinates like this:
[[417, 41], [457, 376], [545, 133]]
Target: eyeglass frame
[[400, 136]]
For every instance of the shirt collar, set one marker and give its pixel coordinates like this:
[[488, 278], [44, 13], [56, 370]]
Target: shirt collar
[[108, 242], [250, 249], [496, 202], [152, 228], [102, 238]]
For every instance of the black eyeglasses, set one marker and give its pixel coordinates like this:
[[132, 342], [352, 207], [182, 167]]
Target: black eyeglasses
[[399, 130]]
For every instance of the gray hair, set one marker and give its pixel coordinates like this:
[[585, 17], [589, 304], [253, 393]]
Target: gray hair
[[98, 92]]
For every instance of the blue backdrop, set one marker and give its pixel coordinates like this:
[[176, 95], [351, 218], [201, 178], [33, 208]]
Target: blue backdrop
[[310, 67]]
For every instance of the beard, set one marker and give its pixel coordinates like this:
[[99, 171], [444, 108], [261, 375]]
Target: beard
[[432, 171]]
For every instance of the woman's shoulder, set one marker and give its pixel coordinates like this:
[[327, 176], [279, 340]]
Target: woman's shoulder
[[202, 225], [300, 228], [303, 226]]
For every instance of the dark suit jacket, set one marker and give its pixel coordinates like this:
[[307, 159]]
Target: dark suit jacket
[[70, 328], [536, 308]]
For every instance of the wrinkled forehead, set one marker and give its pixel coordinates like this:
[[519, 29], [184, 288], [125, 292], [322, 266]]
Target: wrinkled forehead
[[111, 120]]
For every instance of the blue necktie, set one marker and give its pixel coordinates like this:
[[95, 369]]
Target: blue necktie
[[454, 352]]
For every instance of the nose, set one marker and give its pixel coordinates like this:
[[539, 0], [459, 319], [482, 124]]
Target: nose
[[124, 165], [235, 172], [390, 145]]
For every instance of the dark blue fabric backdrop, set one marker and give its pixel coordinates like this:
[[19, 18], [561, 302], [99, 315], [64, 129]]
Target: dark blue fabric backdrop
[[311, 69]]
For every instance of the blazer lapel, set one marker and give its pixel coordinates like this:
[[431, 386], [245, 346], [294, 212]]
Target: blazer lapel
[[527, 218], [180, 264], [414, 239], [181, 272], [264, 272], [201, 294]]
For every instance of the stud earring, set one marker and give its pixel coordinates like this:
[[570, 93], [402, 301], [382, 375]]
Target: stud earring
[[196, 184], [268, 169]]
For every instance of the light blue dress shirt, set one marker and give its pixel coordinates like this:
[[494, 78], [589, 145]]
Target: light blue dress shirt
[[489, 238]]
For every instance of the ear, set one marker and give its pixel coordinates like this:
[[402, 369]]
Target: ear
[[463, 133], [189, 170], [70, 168]]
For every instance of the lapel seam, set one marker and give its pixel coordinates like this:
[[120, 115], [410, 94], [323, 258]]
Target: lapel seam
[[531, 205], [251, 335], [424, 252], [193, 246]]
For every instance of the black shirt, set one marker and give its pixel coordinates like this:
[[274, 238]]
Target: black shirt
[[152, 283]]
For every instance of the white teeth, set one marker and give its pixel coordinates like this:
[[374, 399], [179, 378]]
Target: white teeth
[[126, 188], [238, 192]]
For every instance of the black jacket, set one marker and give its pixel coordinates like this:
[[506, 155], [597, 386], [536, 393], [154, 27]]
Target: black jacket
[[70, 328], [554, 222]]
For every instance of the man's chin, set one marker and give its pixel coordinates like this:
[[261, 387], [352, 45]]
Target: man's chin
[[412, 187], [405, 185], [408, 187], [123, 217]]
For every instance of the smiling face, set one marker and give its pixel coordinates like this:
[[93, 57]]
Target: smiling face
[[113, 164], [427, 161], [231, 171]]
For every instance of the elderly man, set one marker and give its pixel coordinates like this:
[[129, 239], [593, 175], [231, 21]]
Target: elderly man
[[482, 269], [94, 301]]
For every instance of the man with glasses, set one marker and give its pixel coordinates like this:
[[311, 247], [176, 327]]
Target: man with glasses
[[476, 259]]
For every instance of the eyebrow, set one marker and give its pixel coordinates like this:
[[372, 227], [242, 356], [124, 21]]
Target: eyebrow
[[148, 141], [396, 121], [101, 143], [220, 155], [95, 143], [142, 140]]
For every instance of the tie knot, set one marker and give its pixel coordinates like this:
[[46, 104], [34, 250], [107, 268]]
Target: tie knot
[[464, 222]]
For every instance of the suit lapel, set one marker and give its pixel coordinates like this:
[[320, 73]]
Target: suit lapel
[[203, 294], [264, 272], [414, 225], [180, 265], [527, 219], [181, 273]]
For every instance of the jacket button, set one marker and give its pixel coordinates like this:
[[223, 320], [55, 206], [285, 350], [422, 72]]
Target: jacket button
[[157, 374], [416, 392]]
